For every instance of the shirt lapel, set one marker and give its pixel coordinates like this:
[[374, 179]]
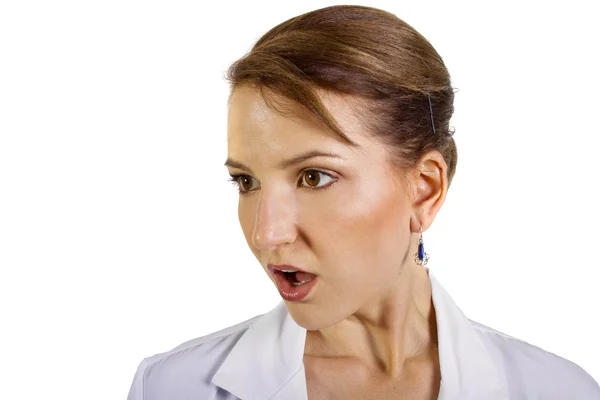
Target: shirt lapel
[[467, 368], [266, 363]]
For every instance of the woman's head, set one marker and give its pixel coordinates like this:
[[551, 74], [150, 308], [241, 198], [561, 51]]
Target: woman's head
[[351, 82]]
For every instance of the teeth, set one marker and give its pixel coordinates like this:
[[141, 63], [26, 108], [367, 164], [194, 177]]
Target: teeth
[[299, 283], [288, 270]]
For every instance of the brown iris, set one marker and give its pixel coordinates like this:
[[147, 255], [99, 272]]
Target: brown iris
[[246, 180], [312, 178]]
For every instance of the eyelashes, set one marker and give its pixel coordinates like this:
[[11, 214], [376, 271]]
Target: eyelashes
[[235, 179], [329, 178]]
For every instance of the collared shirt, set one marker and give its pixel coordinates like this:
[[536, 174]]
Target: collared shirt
[[262, 359]]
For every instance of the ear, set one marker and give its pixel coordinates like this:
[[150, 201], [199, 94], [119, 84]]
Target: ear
[[429, 182]]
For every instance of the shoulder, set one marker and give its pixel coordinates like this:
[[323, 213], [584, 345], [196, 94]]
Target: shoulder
[[531, 372], [188, 368]]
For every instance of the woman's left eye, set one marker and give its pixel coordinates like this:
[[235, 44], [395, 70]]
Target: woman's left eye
[[313, 178]]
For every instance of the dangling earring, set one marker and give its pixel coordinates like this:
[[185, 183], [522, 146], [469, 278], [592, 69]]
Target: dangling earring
[[420, 256]]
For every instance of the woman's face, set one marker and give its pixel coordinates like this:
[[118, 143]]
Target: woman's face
[[345, 218]]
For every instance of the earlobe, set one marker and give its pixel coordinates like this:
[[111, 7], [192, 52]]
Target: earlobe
[[415, 223]]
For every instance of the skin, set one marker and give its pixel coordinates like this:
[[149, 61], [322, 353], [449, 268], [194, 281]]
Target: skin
[[370, 319]]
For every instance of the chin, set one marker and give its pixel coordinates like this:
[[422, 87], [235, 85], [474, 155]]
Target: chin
[[310, 317]]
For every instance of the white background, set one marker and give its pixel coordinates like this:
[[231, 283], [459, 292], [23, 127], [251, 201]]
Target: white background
[[119, 236]]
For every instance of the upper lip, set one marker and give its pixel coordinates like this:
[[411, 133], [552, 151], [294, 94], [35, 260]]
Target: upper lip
[[283, 267]]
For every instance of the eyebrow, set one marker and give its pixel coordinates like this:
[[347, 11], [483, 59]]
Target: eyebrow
[[289, 162]]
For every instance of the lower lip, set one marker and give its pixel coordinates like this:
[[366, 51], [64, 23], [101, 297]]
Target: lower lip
[[290, 292]]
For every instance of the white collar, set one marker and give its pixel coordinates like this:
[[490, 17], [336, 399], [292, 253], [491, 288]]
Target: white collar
[[266, 363]]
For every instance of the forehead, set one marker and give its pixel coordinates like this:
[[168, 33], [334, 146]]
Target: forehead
[[252, 123]]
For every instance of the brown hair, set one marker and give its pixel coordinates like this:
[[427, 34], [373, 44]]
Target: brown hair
[[370, 55]]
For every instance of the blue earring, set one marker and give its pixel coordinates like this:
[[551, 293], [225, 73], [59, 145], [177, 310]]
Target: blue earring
[[420, 256]]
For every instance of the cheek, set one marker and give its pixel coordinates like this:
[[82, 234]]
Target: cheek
[[361, 230]]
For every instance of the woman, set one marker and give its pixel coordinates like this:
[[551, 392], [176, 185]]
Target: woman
[[339, 142]]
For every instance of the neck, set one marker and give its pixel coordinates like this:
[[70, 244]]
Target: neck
[[389, 331]]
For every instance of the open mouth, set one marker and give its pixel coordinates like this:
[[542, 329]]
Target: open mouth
[[293, 285], [292, 277], [296, 278]]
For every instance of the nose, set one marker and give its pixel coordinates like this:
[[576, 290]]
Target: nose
[[275, 222]]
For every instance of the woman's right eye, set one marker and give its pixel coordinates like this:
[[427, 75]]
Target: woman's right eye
[[243, 183]]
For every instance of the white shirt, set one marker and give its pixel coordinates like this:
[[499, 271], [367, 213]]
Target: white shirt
[[261, 359]]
